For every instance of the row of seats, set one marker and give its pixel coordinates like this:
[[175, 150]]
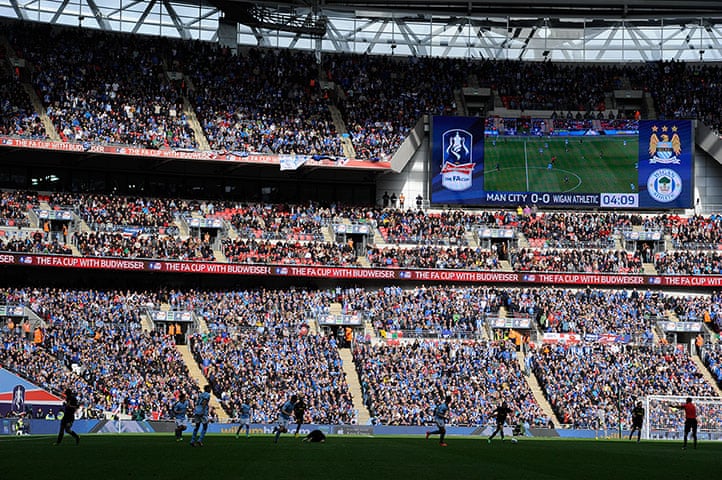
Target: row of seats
[[142, 227], [272, 100], [259, 349]]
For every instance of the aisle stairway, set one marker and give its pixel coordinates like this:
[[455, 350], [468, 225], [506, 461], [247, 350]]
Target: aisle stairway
[[197, 374], [354, 386], [706, 373], [537, 392]]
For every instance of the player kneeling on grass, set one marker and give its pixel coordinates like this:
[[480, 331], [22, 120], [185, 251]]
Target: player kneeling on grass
[[315, 436]]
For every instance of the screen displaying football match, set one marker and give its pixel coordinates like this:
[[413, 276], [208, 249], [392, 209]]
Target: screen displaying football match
[[576, 163]]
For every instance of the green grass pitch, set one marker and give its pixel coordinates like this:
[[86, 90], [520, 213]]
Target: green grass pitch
[[156, 456], [592, 165]]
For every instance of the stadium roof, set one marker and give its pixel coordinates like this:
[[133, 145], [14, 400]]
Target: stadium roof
[[590, 31]]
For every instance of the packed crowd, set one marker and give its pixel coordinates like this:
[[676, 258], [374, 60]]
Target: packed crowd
[[428, 311], [259, 349], [17, 115], [572, 260], [295, 253], [264, 334], [697, 232], [401, 382], [585, 383], [550, 86], [35, 243], [279, 222], [294, 233], [94, 343], [117, 92], [688, 263], [591, 311], [464, 258], [135, 95], [712, 356], [418, 227], [110, 213], [166, 247], [383, 97], [264, 101], [264, 368], [13, 207], [685, 90], [572, 230]]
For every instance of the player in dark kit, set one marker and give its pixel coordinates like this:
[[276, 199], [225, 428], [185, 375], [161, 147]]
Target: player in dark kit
[[690, 420], [66, 424], [315, 436], [637, 421], [299, 409], [441, 414], [500, 413]]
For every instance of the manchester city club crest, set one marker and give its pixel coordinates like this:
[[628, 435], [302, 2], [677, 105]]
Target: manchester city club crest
[[664, 185], [457, 166], [663, 148]]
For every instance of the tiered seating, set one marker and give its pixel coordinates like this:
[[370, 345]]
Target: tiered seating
[[408, 227], [578, 381], [572, 230], [434, 257], [298, 253], [401, 382], [116, 92], [278, 222], [93, 342], [570, 260], [262, 100], [384, 96], [430, 311], [17, 116], [166, 247], [259, 351], [13, 205]]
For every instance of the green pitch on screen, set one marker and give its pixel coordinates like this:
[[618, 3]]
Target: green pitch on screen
[[584, 165]]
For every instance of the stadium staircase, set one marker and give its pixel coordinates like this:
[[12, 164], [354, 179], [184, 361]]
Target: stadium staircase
[[231, 232], [354, 386], [219, 256], [32, 95], [523, 242], [363, 261], [649, 105], [471, 240], [182, 227], [505, 266], [348, 150], [648, 269], [328, 235], [706, 373], [195, 125], [460, 103], [537, 391], [38, 107], [197, 374], [146, 322]]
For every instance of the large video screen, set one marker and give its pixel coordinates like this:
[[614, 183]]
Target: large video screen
[[586, 164]]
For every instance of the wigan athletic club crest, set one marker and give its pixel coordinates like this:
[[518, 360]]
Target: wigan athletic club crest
[[664, 185], [663, 148], [457, 166]]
